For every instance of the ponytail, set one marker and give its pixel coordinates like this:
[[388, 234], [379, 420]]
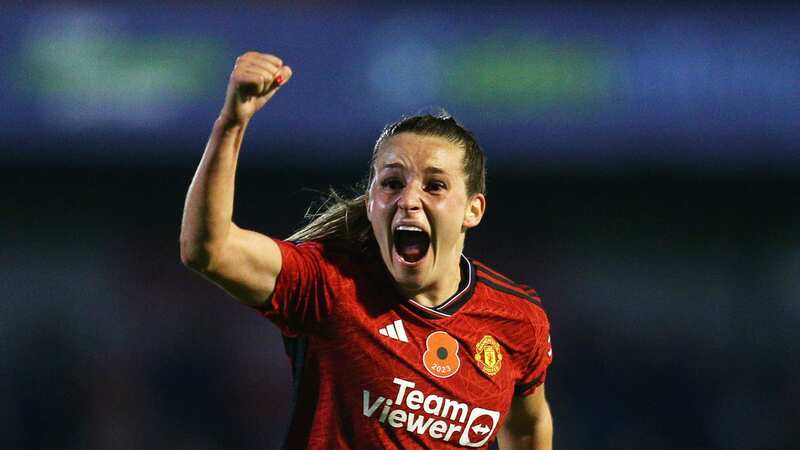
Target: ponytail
[[338, 218]]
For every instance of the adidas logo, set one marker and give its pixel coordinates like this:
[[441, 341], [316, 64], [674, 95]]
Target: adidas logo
[[395, 331]]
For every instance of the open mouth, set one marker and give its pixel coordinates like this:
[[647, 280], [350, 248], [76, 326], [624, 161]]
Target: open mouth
[[411, 243]]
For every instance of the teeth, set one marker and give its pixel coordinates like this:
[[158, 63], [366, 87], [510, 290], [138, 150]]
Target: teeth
[[409, 228]]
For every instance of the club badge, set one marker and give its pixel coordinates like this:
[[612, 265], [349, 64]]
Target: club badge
[[488, 355]]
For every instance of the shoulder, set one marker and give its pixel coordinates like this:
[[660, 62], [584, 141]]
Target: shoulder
[[510, 293], [332, 255], [318, 249]]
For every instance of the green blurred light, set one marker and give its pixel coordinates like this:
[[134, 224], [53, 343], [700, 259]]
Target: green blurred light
[[509, 73], [117, 67]]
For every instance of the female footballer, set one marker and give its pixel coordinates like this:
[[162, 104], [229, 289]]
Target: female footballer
[[397, 340]]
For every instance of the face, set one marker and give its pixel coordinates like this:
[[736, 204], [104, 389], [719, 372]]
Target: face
[[419, 209]]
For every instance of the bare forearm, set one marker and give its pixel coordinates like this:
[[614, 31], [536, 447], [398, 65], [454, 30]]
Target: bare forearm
[[208, 212], [536, 436], [529, 425], [542, 438]]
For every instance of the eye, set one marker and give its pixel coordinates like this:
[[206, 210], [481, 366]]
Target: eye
[[435, 186], [392, 184]]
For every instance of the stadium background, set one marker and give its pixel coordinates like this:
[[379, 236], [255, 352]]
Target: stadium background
[[643, 176]]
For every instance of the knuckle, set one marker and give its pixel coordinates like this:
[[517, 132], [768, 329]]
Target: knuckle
[[273, 58], [247, 56]]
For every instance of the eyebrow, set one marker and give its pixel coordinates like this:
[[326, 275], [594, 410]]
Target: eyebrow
[[430, 169]]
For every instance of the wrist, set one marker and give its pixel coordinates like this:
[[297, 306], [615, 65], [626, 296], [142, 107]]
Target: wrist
[[227, 123]]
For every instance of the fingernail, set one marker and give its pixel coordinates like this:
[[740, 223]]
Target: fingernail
[[279, 79]]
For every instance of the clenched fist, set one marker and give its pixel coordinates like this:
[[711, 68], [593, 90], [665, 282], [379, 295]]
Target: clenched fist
[[254, 80]]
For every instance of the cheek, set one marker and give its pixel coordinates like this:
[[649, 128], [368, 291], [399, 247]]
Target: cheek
[[380, 204], [451, 216], [373, 204], [377, 210]]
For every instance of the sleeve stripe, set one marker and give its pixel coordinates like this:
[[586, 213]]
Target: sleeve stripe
[[521, 288], [482, 267], [520, 388], [507, 290], [500, 279], [507, 284]]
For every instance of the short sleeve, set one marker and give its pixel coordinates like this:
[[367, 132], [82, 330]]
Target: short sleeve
[[301, 298], [541, 355]]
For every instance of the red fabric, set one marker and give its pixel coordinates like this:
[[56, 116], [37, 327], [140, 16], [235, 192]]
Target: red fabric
[[340, 301]]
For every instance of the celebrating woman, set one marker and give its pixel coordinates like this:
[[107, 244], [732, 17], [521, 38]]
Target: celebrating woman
[[397, 339]]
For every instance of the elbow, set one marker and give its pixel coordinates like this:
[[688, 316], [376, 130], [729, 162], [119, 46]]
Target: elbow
[[200, 250], [195, 255]]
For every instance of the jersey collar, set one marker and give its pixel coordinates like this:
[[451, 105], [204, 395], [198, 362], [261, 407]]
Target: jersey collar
[[457, 300]]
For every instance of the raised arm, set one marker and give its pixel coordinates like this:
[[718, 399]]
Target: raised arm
[[242, 262]]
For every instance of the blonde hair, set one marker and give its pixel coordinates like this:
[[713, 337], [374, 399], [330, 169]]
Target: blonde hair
[[338, 218]]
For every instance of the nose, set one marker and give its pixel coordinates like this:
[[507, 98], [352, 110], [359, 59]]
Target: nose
[[409, 199]]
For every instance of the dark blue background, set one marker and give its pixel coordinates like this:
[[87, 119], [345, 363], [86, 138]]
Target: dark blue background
[[654, 207]]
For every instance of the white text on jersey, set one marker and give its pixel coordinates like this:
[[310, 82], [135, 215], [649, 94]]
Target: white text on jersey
[[438, 417]]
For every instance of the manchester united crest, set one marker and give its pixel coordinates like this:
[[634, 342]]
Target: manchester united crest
[[488, 355]]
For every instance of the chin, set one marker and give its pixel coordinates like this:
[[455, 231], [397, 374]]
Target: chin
[[409, 283], [407, 277]]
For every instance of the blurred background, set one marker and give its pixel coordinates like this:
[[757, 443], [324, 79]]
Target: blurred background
[[644, 175]]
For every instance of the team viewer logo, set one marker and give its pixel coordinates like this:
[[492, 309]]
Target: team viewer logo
[[441, 355], [479, 427], [488, 355], [427, 414]]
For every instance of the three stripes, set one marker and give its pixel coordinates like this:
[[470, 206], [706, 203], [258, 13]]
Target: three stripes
[[395, 330]]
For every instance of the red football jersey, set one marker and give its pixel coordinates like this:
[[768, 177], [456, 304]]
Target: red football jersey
[[375, 370]]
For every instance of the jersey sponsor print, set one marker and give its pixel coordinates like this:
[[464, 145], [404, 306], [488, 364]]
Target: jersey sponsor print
[[438, 417]]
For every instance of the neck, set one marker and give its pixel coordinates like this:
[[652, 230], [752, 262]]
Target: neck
[[443, 289]]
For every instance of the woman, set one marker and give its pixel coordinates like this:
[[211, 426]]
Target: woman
[[397, 340]]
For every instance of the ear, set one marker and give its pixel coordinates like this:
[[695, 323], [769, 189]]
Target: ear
[[368, 205], [475, 209]]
